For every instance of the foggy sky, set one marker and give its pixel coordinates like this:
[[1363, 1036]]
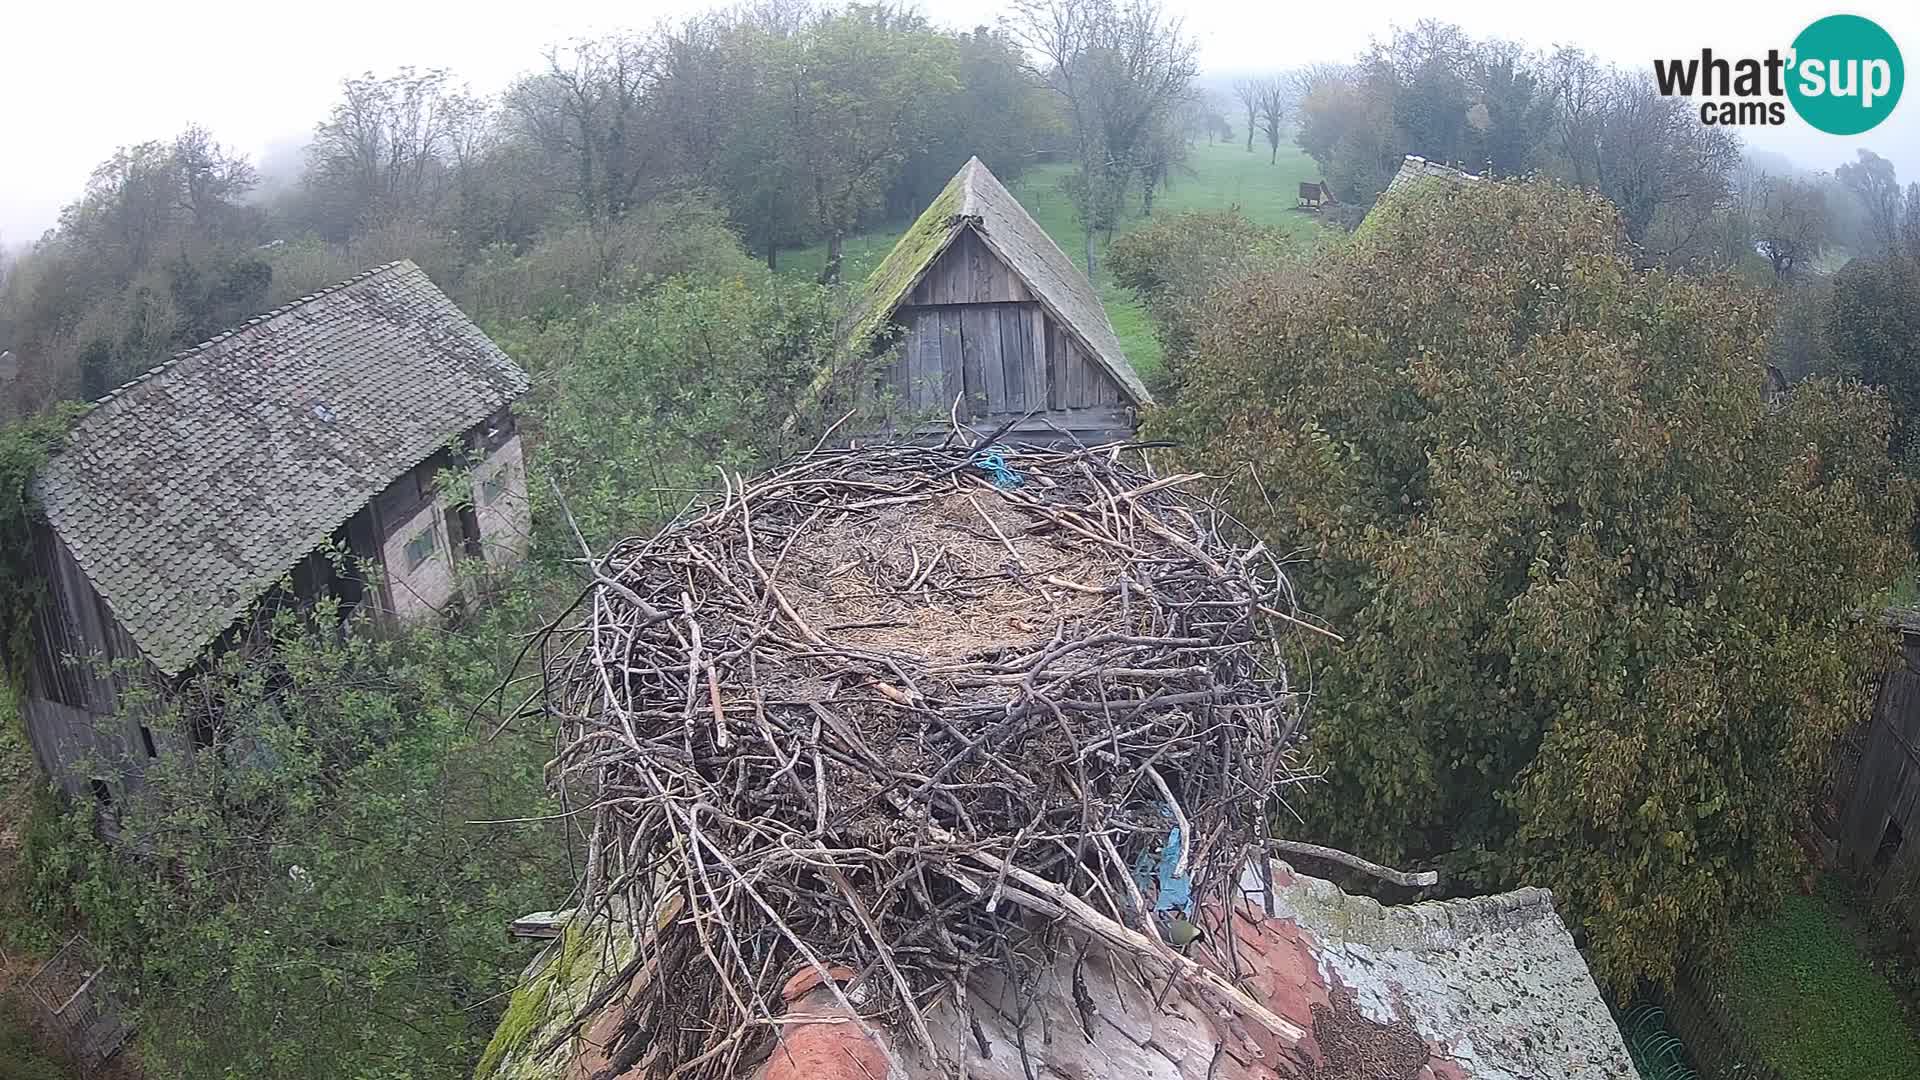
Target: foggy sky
[[77, 80]]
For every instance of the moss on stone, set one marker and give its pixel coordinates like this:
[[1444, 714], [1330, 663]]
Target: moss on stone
[[568, 974], [533, 1006]]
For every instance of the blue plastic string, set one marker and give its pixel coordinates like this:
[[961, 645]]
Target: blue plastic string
[[993, 462]]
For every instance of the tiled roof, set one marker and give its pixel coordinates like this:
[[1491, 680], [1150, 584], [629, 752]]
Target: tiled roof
[[1415, 169], [976, 199], [1487, 988], [187, 492]]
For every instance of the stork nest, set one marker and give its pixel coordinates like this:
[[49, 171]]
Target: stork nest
[[873, 710]]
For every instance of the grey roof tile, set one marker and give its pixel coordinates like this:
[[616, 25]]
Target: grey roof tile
[[187, 492]]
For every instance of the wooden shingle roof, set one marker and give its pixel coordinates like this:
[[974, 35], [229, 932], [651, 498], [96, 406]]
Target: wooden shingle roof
[[976, 199], [186, 493]]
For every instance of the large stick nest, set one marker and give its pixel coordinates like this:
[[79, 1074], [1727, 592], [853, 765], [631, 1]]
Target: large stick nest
[[872, 710]]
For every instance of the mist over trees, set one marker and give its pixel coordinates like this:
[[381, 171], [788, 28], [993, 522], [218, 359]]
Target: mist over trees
[[1426, 433], [1122, 73], [793, 123]]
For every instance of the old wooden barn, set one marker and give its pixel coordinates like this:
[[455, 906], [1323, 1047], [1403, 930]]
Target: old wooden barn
[[295, 456], [978, 306]]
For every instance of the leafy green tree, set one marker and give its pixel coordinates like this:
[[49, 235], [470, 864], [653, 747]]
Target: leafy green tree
[[320, 888], [645, 399], [1600, 601], [1177, 265], [862, 88], [1872, 330]]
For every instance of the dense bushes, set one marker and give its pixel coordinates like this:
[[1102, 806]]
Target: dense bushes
[[1600, 601], [569, 269], [323, 892], [1872, 332], [1175, 264], [641, 402]]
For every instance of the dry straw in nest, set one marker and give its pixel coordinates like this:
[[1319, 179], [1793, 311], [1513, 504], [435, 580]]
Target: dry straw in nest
[[879, 709]]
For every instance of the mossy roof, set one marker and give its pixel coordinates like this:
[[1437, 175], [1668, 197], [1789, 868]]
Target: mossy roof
[[976, 199]]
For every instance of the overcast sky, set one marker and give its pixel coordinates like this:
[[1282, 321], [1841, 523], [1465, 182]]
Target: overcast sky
[[77, 80]]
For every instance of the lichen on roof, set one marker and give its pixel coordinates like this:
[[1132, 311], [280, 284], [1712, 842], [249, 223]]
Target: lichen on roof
[[187, 492]]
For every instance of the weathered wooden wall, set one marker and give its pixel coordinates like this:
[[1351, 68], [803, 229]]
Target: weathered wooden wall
[[82, 663], [1880, 825], [972, 330]]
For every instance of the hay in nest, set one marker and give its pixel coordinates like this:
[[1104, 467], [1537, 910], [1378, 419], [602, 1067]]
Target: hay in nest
[[872, 710]]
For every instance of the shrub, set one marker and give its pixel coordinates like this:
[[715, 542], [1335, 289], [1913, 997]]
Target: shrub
[[1175, 264], [577, 266], [1600, 602], [322, 890], [639, 403]]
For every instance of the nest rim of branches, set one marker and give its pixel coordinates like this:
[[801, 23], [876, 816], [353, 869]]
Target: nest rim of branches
[[912, 710]]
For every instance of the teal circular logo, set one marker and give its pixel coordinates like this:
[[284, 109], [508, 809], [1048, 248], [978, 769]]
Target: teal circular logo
[[1846, 76]]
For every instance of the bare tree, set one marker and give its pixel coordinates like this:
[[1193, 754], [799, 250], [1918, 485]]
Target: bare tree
[[382, 153], [1790, 223], [1647, 153], [211, 179], [1121, 67], [586, 113], [1873, 181], [1270, 107], [1247, 93]]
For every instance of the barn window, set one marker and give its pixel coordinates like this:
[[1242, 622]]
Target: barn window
[[491, 489], [420, 548], [102, 794], [146, 741]]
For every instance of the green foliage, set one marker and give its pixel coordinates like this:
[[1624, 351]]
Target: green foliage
[[1175, 264], [1873, 331], [322, 891], [1655, 1052], [1600, 601], [1810, 1004], [569, 269], [23, 449], [640, 403]]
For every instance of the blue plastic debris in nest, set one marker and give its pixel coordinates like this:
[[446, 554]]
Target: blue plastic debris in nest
[[992, 460], [1173, 891]]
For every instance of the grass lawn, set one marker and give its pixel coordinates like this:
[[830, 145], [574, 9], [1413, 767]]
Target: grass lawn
[[1811, 1003], [1220, 175]]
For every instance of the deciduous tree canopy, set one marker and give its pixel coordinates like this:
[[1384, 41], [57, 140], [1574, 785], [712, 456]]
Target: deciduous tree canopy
[[1542, 496]]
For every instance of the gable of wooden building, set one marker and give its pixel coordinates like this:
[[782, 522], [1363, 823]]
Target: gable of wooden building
[[989, 321]]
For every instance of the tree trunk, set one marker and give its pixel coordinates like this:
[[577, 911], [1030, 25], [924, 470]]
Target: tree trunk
[[1249, 131], [773, 253], [830, 273], [1274, 159], [1090, 264]]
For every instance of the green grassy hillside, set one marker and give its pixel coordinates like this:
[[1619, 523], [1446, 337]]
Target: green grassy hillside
[[1218, 176]]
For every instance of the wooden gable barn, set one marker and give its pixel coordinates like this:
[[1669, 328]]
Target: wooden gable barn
[[982, 307], [291, 457]]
